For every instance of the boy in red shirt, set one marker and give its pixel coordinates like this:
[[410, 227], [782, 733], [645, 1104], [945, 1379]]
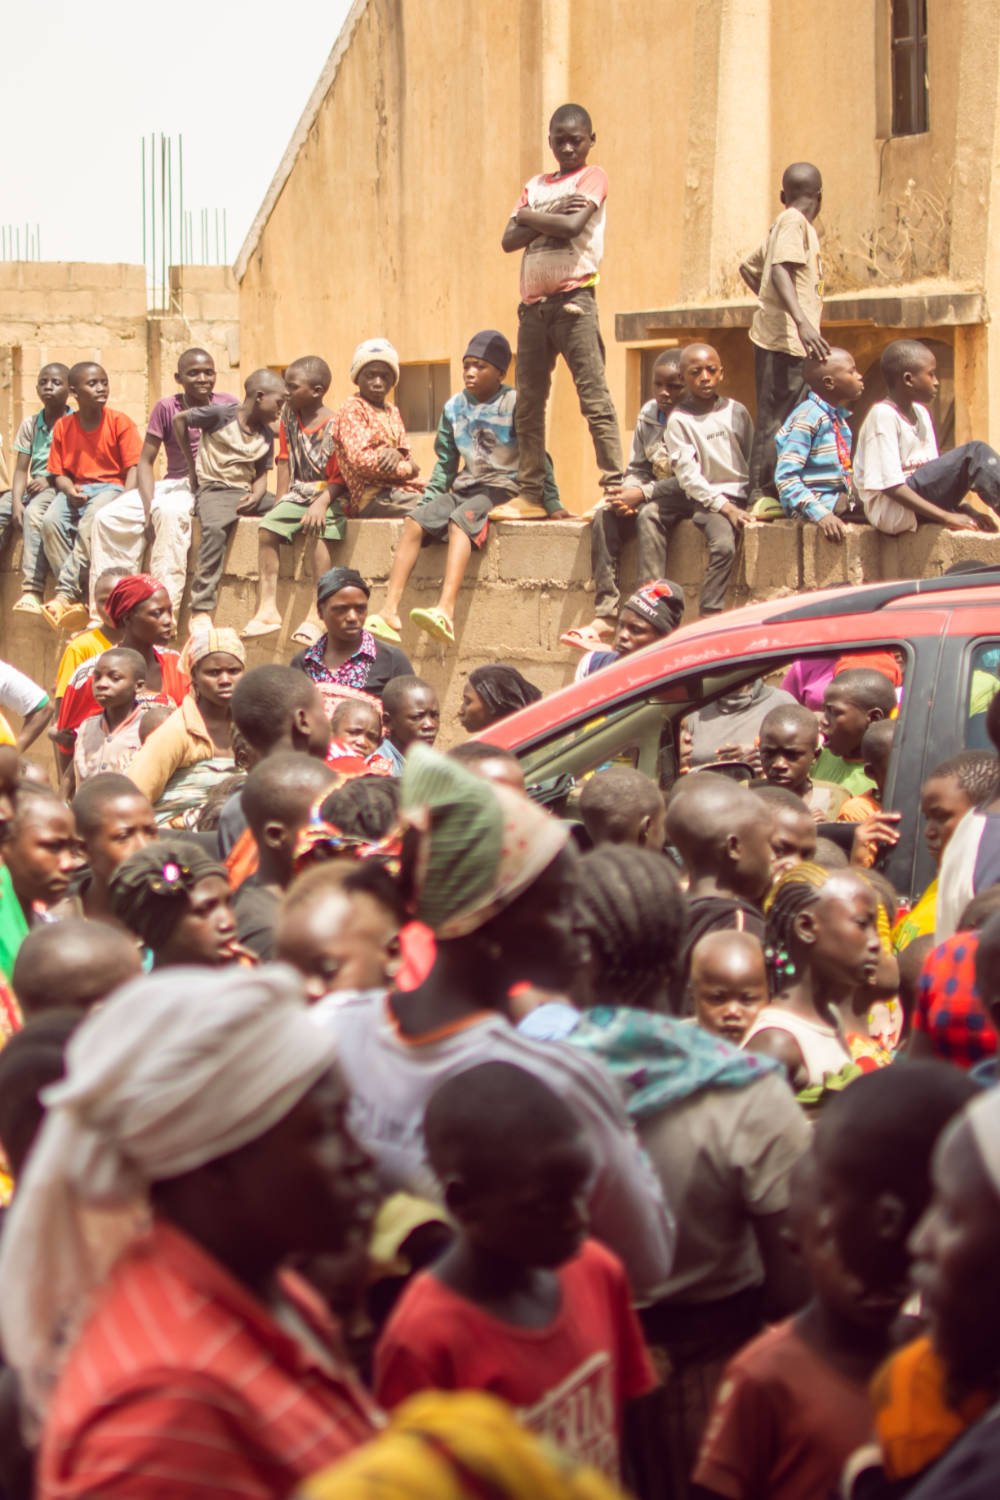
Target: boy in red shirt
[[521, 1304], [93, 457]]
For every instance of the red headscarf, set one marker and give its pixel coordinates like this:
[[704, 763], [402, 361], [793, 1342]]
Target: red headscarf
[[128, 592]]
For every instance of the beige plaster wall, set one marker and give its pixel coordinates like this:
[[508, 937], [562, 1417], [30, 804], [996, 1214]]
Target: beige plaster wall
[[391, 217]]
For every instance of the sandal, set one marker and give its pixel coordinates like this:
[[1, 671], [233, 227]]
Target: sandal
[[255, 628], [64, 614], [382, 630], [307, 634], [434, 622], [586, 638]]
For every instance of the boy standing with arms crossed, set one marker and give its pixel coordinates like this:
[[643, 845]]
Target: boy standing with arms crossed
[[559, 224], [786, 275]]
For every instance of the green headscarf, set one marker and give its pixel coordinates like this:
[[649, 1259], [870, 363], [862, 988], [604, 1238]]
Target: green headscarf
[[481, 845]]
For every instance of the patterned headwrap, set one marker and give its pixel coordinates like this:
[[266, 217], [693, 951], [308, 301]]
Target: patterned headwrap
[[335, 579], [150, 889], [371, 352], [482, 845], [661, 603], [129, 592], [204, 642]]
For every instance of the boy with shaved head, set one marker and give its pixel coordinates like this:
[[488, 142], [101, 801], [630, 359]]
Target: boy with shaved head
[[723, 835], [708, 441], [26, 503], [813, 473], [229, 475], [119, 535], [785, 274]]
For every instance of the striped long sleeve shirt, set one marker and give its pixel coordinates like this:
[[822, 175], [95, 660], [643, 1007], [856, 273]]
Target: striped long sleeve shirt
[[814, 459]]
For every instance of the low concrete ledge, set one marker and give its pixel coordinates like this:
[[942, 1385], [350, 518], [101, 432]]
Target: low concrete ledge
[[532, 582]]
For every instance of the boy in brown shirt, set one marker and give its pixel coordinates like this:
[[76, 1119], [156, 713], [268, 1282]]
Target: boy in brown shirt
[[786, 274]]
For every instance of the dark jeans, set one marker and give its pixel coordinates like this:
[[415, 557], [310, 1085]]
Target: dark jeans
[[655, 521], [565, 325], [216, 510], [780, 388], [945, 481]]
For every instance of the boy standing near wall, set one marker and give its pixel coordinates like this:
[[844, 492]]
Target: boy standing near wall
[[786, 275], [27, 502], [559, 224], [119, 535]]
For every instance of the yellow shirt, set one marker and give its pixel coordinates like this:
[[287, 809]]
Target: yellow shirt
[[80, 649], [182, 740]]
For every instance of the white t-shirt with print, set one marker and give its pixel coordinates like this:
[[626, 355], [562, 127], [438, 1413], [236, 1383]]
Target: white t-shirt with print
[[551, 265]]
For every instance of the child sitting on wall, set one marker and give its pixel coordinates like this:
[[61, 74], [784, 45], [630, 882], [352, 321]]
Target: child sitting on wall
[[813, 474], [309, 487], [649, 501], [900, 477], [372, 447], [476, 470]]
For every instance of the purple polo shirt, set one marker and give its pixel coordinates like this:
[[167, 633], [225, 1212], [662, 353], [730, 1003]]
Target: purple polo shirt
[[160, 425]]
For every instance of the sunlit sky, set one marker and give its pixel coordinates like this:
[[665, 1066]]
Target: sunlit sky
[[84, 83]]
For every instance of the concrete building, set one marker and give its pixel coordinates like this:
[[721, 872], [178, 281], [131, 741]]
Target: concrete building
[[386, 213]]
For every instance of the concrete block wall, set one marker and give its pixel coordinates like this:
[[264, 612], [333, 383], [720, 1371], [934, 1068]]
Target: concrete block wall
[[70, 310], [531, 583]]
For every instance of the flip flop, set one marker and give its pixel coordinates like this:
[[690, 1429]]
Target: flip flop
[[586, 638], [434, 622], [64, 615], [307, 634], [255, 628], [382, 630]]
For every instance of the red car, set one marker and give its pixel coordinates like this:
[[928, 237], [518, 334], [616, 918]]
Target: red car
[[948, 630]]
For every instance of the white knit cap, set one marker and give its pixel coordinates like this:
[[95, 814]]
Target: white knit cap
[[371, 351], [177, 1069]]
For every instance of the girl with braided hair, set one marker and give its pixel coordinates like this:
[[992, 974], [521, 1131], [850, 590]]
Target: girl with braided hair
[[720, 1127], [823, 949]]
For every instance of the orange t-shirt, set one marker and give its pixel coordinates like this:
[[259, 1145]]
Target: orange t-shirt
[[106, 453]]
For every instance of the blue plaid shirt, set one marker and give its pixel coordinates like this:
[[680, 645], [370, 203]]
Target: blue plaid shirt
[[809, 475]]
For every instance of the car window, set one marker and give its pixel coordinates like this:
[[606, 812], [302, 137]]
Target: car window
[[983, 684], [719, 708]]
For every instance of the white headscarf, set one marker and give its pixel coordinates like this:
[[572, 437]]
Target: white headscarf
[[374, 351], [175, 1070]]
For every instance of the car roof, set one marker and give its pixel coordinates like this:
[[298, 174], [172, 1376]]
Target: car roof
[[840, 617]]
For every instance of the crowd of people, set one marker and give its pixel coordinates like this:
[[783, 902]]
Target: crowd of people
[[375, 1122]]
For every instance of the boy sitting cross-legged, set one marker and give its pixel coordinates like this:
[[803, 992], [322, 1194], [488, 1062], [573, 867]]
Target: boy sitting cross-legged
[[521, 1304], [899, 475], [476, 470], [813, 473], [309, 486]]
